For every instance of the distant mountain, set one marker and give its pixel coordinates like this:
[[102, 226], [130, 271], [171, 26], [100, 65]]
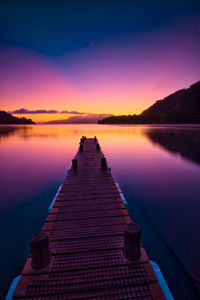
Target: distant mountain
[[6, 118], [87, 119], [182, 106]]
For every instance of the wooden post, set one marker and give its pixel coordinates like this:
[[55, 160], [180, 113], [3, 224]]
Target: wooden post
[[97, 147], [132, 240], [40, 251], [74, 163], [95, 139], [83, 139], [81, 147], [103, 162]]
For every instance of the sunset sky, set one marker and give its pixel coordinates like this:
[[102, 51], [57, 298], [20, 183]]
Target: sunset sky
[[67, 58]]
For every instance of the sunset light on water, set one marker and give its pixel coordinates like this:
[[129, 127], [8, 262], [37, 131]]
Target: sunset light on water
[[35, 160]]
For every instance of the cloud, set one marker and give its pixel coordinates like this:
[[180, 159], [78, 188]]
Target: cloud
[[44, 111], [73, 112], [38, 111]]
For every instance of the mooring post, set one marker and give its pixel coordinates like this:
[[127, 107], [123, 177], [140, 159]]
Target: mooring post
[[83, 139], [132, 240], [74, 163], [97, 147], [103, 162], [40, 250], [81, 147], [95, 139]]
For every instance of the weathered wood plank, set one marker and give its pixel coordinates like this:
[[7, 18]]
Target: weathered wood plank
[[85, 229]]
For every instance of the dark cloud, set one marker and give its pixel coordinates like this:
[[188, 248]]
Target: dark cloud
[[38, 111], [45, 111], [73, 112]]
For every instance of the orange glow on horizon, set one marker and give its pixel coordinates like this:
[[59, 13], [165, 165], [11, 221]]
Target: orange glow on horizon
[[98, 82], [37, 118]]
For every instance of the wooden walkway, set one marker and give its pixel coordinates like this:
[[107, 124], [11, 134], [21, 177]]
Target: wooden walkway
[[86, 235]]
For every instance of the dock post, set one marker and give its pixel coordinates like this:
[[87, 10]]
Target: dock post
[[95, 139], [40, 251], [103, 162], [97, 147], [83, 139], [81, 147], [74, 163], [132, 240]]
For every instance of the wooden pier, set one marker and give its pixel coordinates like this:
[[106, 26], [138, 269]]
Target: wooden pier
[[93, 254]]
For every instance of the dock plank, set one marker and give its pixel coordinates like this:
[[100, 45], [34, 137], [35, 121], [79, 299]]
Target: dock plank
[[86, 234]]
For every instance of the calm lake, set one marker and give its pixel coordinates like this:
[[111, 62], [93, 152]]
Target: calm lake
[[157, 168]]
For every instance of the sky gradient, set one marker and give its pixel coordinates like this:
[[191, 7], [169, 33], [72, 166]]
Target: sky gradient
[[113, 57]]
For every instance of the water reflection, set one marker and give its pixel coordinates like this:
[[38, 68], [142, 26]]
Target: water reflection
[[34, 162], [183, 141], [7, 131]]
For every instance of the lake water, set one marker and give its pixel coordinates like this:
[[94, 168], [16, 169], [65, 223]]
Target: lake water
[[157, 168]]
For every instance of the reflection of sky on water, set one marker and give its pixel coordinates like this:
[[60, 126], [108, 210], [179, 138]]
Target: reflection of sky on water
[[146, 161]]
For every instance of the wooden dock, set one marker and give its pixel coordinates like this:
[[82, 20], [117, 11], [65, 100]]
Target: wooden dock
[[85, 230]]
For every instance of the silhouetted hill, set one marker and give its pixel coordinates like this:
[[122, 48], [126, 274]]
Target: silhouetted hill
[[86, 119], [182, 106], [6, 118]]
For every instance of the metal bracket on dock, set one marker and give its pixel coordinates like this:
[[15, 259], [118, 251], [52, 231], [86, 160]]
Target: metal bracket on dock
[[69, 169], [12, 288], [54, 199], [162, 281], [121, 194]]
